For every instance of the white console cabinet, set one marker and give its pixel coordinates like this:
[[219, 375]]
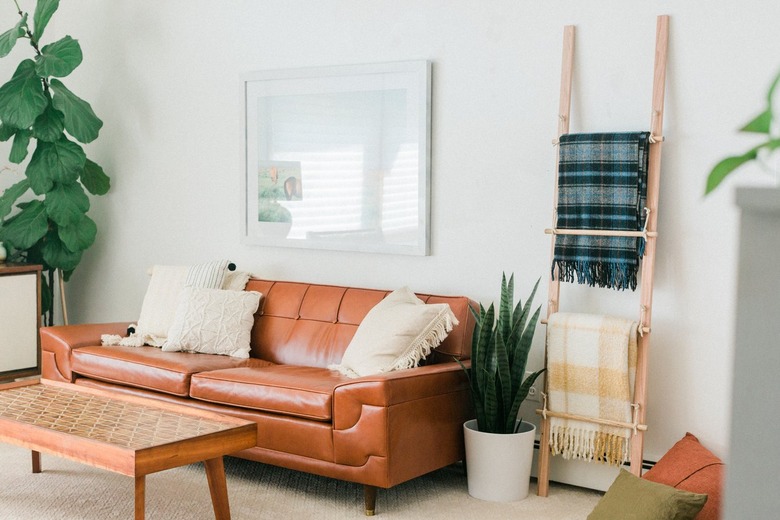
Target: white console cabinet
[[20, 319], [751, 473]]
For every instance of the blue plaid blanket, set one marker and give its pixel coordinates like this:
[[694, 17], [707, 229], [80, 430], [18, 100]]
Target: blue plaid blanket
[[602, 184]]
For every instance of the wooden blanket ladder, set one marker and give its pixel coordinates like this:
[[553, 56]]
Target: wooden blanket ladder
[[648, 260]]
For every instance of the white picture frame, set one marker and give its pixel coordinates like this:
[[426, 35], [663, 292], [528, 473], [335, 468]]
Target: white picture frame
[[338, 157]]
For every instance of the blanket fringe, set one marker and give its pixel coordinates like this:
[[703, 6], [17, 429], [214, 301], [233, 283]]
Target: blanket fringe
[[604, 274], [133, 339], [588, 445]]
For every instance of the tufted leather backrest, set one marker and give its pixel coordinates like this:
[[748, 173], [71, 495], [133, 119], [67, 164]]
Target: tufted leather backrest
[[312, 325]]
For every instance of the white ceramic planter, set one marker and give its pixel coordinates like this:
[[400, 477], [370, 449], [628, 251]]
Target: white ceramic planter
[[499, 465]]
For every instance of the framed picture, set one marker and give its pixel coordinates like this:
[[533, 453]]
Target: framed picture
[[338, 157]]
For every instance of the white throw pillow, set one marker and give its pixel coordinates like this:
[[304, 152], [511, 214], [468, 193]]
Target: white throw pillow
[[213, 321], [210, 275], [397, 333], [162, 295]]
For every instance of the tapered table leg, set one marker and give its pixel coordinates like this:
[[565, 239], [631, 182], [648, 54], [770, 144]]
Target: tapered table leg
[[36, 461], [140, 497], [215, 473]]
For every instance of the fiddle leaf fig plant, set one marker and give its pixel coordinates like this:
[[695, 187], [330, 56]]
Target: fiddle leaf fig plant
[[764, 124], [50, 225]]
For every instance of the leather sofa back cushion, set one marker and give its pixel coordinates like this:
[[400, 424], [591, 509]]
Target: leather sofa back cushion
[[312, 325]]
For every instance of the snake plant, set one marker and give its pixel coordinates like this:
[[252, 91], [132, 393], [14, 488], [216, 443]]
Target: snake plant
[[499, 354]]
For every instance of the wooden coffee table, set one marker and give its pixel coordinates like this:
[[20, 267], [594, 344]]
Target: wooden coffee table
[[124, 434]]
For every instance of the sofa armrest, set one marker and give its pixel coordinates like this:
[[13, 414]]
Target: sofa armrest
[[394, 388], [58, 341], [416, 414]]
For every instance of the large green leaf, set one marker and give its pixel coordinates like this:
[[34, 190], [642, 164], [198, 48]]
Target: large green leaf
[[27, 227], [771, 92], [60, 161], [7, 131], [79, 235], [80, 121], [57, 255], [59, 58], [8, 38], [19, 147], [66, 203], [49, 125], [43, 11], [11, 195], [729, 164], [22, 98], [760, 124], [95, 179]]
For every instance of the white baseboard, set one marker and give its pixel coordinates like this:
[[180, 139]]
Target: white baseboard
[[588, 475]]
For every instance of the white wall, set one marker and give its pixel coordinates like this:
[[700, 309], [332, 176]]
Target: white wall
[[164, 76]]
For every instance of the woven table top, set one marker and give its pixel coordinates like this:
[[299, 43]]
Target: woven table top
[[115, 421]]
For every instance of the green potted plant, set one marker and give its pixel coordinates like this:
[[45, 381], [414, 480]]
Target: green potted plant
[[50, 226], [764, 123], [499, 446]]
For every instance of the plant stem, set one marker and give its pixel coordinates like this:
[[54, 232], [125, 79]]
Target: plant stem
[[33, 42], [29, 33], [50, 313]]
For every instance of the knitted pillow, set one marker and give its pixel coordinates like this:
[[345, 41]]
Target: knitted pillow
[[692, 467], [213, 321], [397, 333]]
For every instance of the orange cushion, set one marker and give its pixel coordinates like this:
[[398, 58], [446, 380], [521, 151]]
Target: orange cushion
[[692, 467]]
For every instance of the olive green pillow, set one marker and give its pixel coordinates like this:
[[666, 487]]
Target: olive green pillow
[[633, 498]]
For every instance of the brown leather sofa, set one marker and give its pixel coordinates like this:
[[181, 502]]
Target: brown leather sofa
[[377, 430]]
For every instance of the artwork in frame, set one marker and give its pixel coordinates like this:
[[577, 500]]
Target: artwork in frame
[[338, 157]]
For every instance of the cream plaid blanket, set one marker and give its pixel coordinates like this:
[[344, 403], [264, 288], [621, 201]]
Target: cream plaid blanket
[[591, 365]]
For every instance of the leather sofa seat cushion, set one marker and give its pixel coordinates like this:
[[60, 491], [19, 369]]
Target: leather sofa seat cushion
[[297, 391], [150, 367]]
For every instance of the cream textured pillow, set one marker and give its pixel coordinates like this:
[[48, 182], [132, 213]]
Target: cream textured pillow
[[236, 280], [397, 333], [213, 321]]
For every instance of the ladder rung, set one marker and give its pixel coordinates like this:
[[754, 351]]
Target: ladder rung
[[601, 233], [645, 330], [595, 420]]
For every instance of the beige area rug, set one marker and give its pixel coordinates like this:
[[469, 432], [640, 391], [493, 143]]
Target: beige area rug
[[71, 491]]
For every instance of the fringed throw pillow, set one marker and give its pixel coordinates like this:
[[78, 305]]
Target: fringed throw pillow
[[396, 334]]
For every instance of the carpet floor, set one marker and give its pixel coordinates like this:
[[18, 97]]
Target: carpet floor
[[71, 491]]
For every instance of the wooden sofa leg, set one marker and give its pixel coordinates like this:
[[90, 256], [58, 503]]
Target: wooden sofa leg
[[369, 493]]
